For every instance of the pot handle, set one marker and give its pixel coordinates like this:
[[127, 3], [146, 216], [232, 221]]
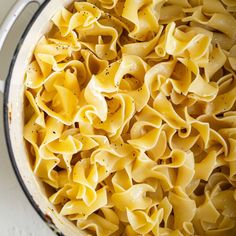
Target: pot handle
[[9, 21]]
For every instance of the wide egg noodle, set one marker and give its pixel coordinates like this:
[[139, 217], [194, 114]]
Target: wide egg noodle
[[130, 116]]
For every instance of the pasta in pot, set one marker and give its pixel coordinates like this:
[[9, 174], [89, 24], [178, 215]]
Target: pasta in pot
[[130, 116]]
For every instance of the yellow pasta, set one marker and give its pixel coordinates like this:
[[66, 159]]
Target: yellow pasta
[[130, 116]]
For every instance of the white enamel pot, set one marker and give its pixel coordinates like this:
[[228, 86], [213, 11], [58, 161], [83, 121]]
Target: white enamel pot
[[13, 90]]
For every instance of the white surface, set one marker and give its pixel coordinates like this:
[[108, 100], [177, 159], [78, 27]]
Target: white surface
[[17, 216]]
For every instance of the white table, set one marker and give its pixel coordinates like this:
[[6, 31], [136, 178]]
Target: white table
[[17, 216]]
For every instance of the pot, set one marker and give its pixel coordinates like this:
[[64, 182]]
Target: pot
[[13, 90]]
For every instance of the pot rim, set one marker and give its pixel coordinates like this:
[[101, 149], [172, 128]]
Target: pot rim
[[6, 124]]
